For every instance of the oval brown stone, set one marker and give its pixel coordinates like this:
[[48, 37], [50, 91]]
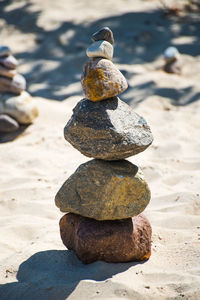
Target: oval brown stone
[[101, 80], [104, 190], [110, 241]]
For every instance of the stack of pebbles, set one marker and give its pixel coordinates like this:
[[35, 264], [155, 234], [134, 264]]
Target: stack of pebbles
[[104, 198], [173, 61], [16, 105]]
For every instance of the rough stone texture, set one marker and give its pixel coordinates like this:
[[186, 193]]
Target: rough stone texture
[[101, 80], [111, 241], [9, 62], [104, 34], [6, 72], [15, 85], [104, 191], [8, 124], [21, 108], [4, 50], [108, 130], [100, 49], [174, 66]]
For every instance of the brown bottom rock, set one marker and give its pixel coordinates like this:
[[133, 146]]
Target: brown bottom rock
[[111, 241]]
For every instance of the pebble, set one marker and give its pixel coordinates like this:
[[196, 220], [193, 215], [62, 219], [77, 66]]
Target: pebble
[[6, 72], [100, 49], [8, 124], [170, 52], [104, 34], [4, 51], [9, 62], [101, 79], [15, 85], [174, 66]]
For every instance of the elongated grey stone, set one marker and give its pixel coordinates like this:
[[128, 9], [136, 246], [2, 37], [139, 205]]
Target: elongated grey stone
[[104, 34]]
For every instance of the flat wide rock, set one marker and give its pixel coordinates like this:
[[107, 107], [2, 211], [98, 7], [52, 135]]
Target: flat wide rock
[[100, 49], [101, 79], [14, 85], [9, 62], [108, 130], [110, 241], [7, 72], [104, 190]]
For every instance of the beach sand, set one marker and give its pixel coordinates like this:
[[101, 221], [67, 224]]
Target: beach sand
[[50, 39]]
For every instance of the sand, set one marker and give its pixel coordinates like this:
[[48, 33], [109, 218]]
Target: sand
[[49, 39]]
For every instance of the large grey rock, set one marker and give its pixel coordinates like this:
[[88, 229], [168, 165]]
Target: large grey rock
[[104, 190], [108, 129], [100, 49], [4, 51]]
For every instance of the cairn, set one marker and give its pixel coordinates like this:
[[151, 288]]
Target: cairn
[[104, 198], [16, 105], [173, 61]]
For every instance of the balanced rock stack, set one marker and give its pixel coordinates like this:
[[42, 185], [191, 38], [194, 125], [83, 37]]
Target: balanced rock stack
[[173, 62], [16, 105], [104, 198]]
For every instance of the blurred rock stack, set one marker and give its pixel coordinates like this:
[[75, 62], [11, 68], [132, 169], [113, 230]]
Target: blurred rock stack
[[16, 105], [173, 61], [105, 197]]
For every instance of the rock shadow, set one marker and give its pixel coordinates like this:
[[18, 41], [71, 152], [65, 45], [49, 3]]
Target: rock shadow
[[54, 274]]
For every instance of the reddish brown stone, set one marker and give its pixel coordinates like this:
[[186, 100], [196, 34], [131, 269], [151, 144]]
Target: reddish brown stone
[[112, 241]]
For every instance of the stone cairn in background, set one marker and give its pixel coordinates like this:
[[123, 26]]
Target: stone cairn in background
[[16, 105], [104, 198], [173, 61]]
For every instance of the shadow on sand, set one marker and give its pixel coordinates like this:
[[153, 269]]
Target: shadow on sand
[[54, 274], [58, 56]]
